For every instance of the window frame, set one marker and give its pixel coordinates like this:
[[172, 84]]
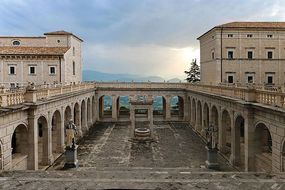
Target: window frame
[[249, 35], [10, 66], [16, 41], [35, 70], [50, 67], [267, 54], [249, 51], [73, 68], [228, 53]]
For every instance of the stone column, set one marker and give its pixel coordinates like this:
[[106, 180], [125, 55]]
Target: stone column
[[203, 124], [79, 125], [249, 143], [185, 109], [33, 157], [47, 141], [61, 135], [84, 123], [114, 108], [220, 131], [167, 108]]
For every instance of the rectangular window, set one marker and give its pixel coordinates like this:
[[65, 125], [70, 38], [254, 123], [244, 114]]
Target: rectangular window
[[230, 54], [52, 70], [32, 70], [250, 55], [249, 35], [213, 55], [73, 68], [12, 70], [12, 85], [230, 79], [270, 79], [250, 79], [230, 35], [73, 51], [270, 55]]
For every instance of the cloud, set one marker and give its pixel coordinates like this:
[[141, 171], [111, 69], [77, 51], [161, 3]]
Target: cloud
[[140, 36]]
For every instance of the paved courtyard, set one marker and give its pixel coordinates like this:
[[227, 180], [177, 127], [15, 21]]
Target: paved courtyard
[[109, 145], [109, 161]]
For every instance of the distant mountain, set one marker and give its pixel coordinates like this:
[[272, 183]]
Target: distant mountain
[[175, 80], [89, 75]]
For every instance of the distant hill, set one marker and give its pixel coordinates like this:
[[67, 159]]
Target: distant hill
[[90, 75], [175, 80]]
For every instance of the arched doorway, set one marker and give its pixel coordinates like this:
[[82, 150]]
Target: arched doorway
[[199, 117], [77, 116], [226, 134], [67, 114], [263, 148], [193, 117], [239, 150], [205, 117], [123, 105], [43, 151], [19, 145], [57, 134], [177, 107], [83, 117], [93, 109], [159, 107], [105, 107], [215, 122], [89, 114]]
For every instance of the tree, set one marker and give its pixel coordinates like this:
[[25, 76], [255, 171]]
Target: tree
[[193, 75]]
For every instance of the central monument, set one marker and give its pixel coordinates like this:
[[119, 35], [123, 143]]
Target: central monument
[[141, 116]]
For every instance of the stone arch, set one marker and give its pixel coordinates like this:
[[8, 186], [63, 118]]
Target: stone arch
[[263, 147], [83, 116], [105, 106], [215, 122], [123, 106], [93, 109], [19, 145], [238, 156], [199, 116], [67, 114], [226, 133], [193, 115], [177, 106], [189, 108], [206, 115], [282, 161], [77, 116], [43, 151], [89, 112], [159, 106], [57, 130], [1, 155]]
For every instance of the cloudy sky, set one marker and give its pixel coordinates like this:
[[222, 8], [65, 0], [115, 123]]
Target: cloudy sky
[[146, 37]]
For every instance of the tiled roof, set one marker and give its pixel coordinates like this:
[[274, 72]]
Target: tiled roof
[[11, 50], [253, 25], [62, 32]]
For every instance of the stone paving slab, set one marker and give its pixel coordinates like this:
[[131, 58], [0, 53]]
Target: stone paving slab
[[141, 179]]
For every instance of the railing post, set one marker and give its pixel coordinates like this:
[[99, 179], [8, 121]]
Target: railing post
[[250, 95], [30, 95]]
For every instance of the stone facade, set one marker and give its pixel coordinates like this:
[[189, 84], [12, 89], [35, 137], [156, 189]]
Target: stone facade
[[54, 58], [242, 53]]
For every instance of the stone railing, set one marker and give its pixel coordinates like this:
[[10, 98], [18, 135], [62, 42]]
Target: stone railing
[[273, 96], [37, 93]]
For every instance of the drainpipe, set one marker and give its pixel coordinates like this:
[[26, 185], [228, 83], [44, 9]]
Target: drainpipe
[[222, 55]]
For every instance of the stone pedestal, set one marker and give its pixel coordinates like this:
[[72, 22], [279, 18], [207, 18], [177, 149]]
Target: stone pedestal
[[71, 157], [212, 158]]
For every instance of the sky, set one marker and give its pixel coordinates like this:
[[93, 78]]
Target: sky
[[145, 37]]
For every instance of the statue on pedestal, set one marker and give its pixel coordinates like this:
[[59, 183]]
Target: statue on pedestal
[[211, 147], [71, 147]]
